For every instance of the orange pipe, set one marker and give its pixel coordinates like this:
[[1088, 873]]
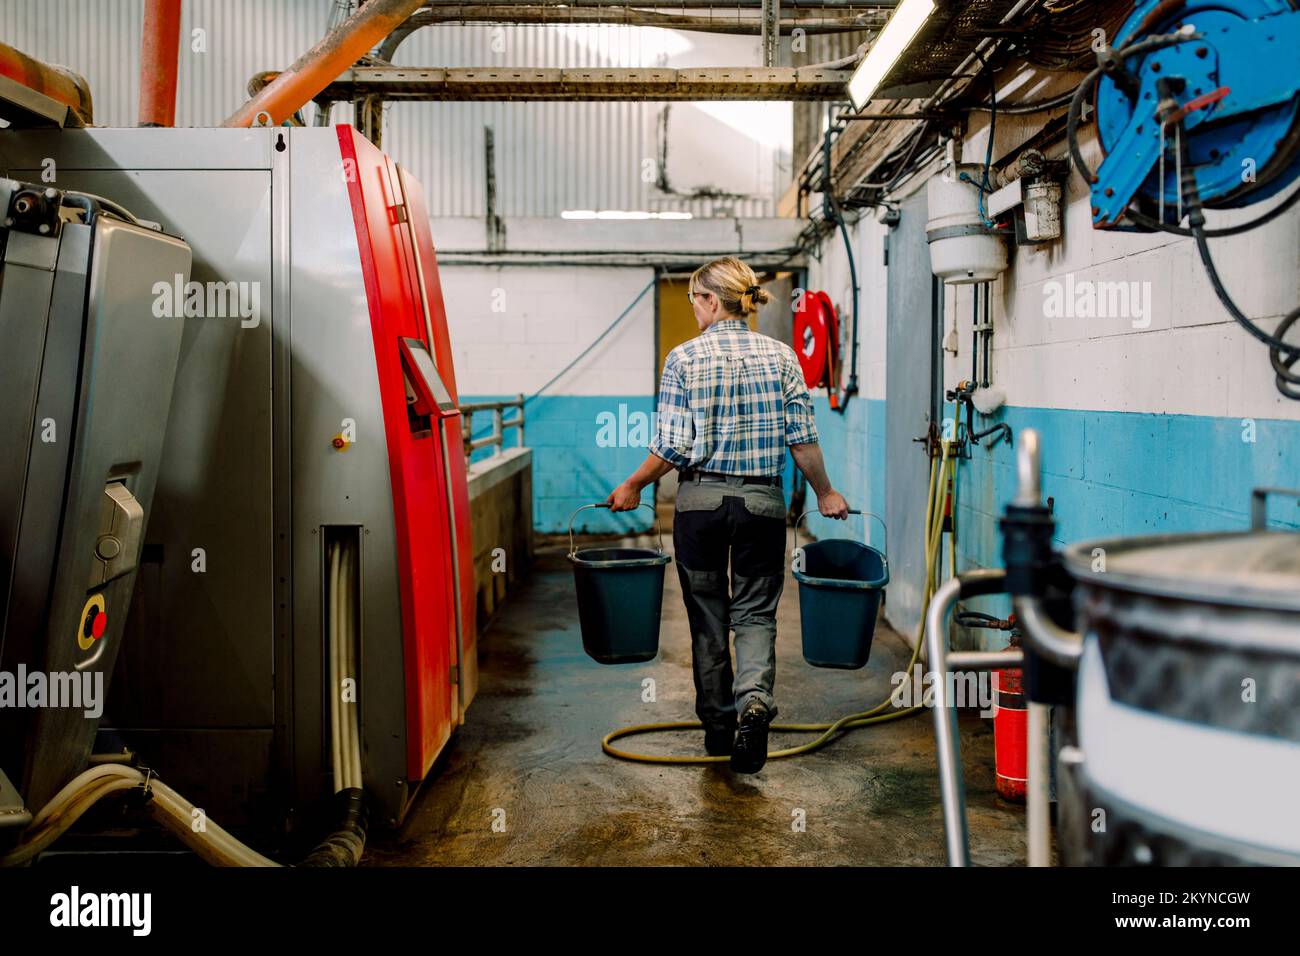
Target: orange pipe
[[159, 49], [323, 63], [56, 82]]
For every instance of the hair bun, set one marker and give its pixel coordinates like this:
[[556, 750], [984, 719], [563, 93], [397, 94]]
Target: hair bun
[[734, 283], [752, 298]]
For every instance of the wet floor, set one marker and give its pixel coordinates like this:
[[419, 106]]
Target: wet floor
[[525, 782]]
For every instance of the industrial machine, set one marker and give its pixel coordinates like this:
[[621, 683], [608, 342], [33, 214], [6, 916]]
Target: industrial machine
[[303, 619], [86, 373], [1173, 661]]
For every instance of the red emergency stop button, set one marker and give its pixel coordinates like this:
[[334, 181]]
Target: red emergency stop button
[[94, 622]]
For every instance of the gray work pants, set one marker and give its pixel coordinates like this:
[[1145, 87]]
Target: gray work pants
[[719, 524]]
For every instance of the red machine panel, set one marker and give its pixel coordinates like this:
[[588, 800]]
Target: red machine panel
[[430, 494], [426, 267]]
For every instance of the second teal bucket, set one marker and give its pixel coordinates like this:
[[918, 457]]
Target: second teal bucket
[[841, 583]]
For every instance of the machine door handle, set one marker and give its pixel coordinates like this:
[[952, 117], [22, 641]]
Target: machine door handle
[[121, 528], [431, 395]]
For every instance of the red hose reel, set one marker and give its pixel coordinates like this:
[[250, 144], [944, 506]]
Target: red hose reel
[[817, 343]]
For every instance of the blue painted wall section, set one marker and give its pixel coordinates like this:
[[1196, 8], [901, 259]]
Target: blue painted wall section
[[1116, 474], [574, 464], [853, 445], [1109, 474]]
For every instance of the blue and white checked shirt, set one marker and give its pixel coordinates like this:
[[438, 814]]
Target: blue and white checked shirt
[[730, 401]]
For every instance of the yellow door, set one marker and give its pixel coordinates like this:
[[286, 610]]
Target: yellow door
[[676, 317]]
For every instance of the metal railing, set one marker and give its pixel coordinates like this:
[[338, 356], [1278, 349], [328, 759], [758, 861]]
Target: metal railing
[[499, 423]]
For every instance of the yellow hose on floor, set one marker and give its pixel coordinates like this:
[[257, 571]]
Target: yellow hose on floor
[[941, 471]]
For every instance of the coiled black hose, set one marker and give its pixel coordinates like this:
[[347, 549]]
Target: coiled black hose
[[1282, 357]]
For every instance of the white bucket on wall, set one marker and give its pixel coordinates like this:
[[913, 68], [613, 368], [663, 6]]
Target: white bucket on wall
[[962, 250]]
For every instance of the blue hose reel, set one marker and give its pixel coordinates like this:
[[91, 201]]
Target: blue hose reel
[[1234, 73]]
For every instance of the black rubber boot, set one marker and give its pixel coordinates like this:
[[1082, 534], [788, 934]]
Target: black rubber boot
[[750, 752]]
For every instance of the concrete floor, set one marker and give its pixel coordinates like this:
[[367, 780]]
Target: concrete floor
[[529, 758]]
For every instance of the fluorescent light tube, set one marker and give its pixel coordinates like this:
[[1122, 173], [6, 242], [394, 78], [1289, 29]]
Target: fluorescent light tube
[[902, 28], [621, 214]]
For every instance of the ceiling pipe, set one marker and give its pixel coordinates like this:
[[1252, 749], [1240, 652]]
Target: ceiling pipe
[[701, 16], [323, 63], [541, 13], [159, 53], [56, 82], [630, 84], [704, 5]]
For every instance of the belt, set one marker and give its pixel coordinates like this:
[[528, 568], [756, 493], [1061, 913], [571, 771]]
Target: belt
[[692, 475]]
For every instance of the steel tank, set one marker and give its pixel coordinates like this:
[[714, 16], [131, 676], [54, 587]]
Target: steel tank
[[1186, 724]]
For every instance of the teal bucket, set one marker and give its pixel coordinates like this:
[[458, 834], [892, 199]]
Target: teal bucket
[[840, 588], [620, 597]]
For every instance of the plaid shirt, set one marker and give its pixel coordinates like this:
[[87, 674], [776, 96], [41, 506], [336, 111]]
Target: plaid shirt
[[730, 401]]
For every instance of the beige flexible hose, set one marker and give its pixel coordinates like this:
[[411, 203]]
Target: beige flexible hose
[[165, 805], [38, 837], [336, 671], [347, 633]]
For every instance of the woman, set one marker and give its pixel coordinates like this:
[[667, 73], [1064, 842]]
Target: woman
[[731, 401]]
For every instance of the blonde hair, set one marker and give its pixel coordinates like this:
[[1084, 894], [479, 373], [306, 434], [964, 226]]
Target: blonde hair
[[733, 282]]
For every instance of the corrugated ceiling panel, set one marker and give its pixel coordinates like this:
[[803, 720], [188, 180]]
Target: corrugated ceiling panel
[[550, 156]]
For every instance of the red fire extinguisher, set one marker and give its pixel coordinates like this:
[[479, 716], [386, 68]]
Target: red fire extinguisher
[[1010, 733]]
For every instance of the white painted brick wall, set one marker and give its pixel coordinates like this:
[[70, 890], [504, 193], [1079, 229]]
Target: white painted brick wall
[[551, 314], [1192, 359]]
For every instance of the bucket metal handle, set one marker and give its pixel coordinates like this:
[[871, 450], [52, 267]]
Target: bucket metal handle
[[658, 527], [852, 511]]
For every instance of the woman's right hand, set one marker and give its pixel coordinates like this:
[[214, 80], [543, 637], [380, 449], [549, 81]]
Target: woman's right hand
[[833, 505], [625, 497]]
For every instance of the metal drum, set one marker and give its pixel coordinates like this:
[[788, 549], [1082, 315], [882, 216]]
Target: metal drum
[[1187, 721]]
